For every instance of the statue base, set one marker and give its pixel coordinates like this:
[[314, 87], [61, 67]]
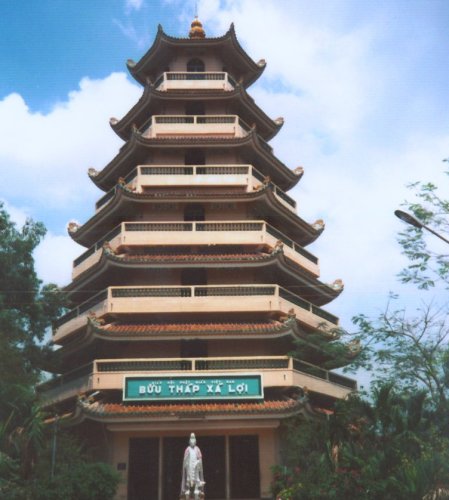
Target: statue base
[[193, 496]]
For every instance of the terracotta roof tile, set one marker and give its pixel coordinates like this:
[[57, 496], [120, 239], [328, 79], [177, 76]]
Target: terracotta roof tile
[[194, 257], [255, 328], [120, 409]]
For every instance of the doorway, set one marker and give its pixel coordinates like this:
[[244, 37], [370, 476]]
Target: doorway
[[244, 465], [239, 479], [143, 468], [194, 212]]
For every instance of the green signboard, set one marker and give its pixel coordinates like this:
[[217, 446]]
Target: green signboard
[[192, 387]]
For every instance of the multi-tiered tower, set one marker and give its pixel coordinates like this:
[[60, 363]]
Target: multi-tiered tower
[[194, 285]]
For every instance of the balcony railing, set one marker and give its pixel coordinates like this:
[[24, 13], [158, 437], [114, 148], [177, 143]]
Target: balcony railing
[[148, 176], [215, 299], [195, 125], [251, 233], [182, 80], [107, 374]]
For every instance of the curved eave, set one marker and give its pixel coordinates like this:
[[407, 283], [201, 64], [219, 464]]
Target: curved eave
[[136, 151], [120, 412], [122, 206], [298, 280], [140, 112], [98, 333], [165, 45]]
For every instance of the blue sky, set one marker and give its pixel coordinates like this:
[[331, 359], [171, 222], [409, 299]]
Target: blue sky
[[363, 87]]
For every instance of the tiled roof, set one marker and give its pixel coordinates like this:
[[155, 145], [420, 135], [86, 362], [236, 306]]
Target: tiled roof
[[175, 409], [255, 328], [124, 126], [300, 230], [193, 257]]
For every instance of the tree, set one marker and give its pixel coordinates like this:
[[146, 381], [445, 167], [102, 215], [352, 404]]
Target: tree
[[412, 351], [426, 266], [394, 443], [27, 309], [369, 449]]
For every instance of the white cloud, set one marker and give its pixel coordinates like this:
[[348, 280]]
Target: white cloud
[[354, 119], [53, 258], [18, 215], [133, 5], [44, 158]]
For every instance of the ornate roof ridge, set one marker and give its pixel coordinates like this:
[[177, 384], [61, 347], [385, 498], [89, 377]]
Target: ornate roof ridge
[[137, 140], [136, 68], [313, 230], [255, 327], [150, 91], [99, 409], [330, 290]]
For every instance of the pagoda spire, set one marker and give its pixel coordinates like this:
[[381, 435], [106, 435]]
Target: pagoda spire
[[196, 29]]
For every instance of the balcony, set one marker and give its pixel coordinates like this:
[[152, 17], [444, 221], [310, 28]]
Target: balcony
[[270, 300], [182, 80], [277, 371], [151, 176], [145, 234], [230, 126]]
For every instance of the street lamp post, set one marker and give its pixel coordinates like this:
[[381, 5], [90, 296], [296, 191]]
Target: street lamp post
[[409, 219]]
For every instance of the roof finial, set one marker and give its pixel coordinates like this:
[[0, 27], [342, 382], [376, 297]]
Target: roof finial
[[196, 28]]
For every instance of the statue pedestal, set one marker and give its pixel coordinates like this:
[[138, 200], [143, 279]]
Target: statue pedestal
[[192, 496]]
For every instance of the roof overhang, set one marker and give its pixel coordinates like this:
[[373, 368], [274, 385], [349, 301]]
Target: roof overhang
[[255, 151], [152, 99], [263, 205], [153, 62]]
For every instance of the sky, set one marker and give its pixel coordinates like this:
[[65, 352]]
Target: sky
[[362, 86]]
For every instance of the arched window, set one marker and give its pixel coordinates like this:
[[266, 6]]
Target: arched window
[[195, 65]]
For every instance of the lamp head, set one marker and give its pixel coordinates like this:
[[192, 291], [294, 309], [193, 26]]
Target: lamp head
[[409, 219]]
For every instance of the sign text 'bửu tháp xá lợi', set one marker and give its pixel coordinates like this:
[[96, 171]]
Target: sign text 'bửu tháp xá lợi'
[[138, 388]]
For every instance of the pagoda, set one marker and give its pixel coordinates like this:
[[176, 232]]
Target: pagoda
[[194, 286]]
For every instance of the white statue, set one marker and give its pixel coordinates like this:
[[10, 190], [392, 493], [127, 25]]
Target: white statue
[[192, 471]]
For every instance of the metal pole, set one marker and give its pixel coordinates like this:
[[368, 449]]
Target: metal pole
[[53, 449]]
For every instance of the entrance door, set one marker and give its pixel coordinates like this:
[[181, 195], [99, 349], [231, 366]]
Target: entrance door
[[173, 456], [244, 464], [143, 468], [214, 468], [214, 465]]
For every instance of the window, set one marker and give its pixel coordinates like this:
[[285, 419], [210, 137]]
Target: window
[[195, 65], [194, 212], [194, 157], [195, 108]]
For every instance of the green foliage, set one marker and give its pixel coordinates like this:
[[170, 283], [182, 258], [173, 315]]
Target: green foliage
[[327, 352], [27, 310], [383, 448], [413, 351], [76, 476], [427, 267], [393, 444]]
